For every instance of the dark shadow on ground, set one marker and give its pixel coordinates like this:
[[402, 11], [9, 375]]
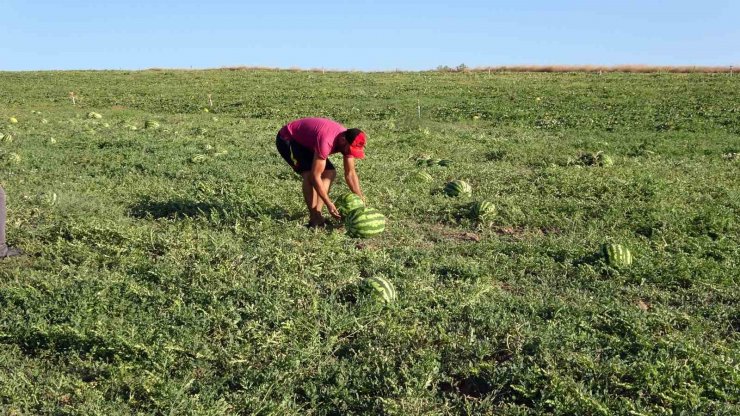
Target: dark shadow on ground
[[181, 208]]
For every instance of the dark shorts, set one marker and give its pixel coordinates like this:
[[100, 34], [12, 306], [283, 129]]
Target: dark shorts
[[299, 158]]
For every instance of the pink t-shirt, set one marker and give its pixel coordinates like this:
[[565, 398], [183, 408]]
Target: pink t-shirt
[[317, 134]]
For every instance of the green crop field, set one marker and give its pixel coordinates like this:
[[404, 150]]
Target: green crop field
[[168, 269]]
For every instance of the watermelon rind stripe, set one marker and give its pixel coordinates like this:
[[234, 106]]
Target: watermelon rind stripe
[[366, 230], [457, 187], [369, 229], [617, 255], [367, 224], [363, 220], [383, 287]]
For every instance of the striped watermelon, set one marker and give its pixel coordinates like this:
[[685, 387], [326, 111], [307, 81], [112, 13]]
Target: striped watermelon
[[616, 255], [364, 222], [382, 288], [423, 176], [199, 158], [348, 203], [602, 159], [151, 124], [458, 188], [445, 162], [483, 210], [13, 157], [433, 162]]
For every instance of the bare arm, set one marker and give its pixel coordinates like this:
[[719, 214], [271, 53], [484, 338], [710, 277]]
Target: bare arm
[[317, 168], [350, 176]]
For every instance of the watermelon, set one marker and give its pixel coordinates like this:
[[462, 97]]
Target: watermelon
[[348, 203], [445, 162], [483, 210], [13, 157], [457, 188], [593, 159], [382, 288], [423, 176], [199, 158], [151, 124], [364, 222], [7, 138], [587, 159], [616, 255], [48, 198], [602, 159]]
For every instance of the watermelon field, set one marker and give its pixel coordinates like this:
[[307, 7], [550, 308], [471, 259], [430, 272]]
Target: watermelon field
[[168, 269]]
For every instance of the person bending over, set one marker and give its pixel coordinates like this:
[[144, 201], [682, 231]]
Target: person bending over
[[306, 144]]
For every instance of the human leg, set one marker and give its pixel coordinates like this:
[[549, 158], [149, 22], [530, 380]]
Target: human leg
[[312, 200], [327, 178]]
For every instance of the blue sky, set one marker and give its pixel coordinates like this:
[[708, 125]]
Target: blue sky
[[364, 34]]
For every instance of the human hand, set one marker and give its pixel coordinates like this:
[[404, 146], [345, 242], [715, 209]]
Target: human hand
[[333, 211]]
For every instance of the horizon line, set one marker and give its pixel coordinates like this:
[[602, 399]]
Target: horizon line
[[620, 68]]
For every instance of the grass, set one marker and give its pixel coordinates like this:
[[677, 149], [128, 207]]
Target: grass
[[158, 283], [629, 69]]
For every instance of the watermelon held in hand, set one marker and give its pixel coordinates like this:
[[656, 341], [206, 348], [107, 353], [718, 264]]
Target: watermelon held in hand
[[382, 288], [483, 210], [364, 222], [457, 188], [616, 255], [348, 203]]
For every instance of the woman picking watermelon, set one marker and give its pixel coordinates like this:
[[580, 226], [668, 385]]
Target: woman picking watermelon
[[306, 145]]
